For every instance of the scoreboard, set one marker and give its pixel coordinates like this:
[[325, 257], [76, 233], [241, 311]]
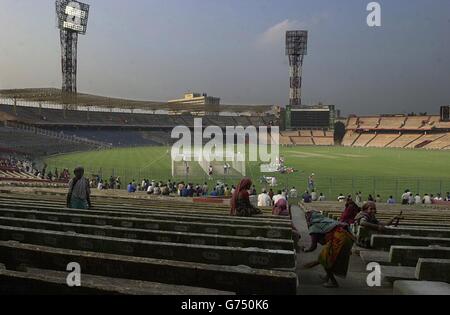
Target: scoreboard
[[311, 118]]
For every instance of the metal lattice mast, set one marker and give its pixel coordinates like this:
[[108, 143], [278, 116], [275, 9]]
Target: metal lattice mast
[[296, 50], [69, 41], [72, 19]]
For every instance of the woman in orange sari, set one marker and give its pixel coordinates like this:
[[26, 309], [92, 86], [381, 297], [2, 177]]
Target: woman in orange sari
[[337, 246], [240, 202]]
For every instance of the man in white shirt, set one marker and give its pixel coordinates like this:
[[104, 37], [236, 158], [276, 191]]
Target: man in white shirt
[[322, 197], [427, 200], [411, 199], [341, 198], [264, 199], [405, 198], [417, 199], [314, 196], [278, 197], [293, 193]]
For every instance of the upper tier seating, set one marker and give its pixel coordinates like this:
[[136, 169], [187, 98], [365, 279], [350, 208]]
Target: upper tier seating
[[391, 123], [369, 122]]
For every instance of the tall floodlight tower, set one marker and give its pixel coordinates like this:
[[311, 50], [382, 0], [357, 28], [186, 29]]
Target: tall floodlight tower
[[72, 19], [296, 50]]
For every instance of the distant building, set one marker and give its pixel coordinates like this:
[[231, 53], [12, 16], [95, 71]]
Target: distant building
[[197, 99]]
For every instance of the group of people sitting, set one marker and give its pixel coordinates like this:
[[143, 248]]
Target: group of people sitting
[[102, 184], [408, 198]]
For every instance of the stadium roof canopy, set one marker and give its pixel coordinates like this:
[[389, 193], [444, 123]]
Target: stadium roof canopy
[[56, 96]]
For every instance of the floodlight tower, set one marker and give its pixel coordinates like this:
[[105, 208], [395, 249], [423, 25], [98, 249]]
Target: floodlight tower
[[72, 19], [296, 50]]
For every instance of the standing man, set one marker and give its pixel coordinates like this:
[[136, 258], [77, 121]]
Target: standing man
[[311, 185], [79, 195], [210, 172]]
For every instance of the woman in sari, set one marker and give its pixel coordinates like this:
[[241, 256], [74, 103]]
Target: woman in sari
[[350, 212], [337, 246], [240, 202]]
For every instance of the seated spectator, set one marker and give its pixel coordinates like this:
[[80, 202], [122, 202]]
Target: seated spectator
[[391, 201], [322, 197], [378, 199], [214, 193], [411, 199], [405, 197], [350, 212], [448, 196], [438, 198], [367, 218], [131, 189], [427, 200], [165, 191], [240, 202], [417, 199], [293, 193], [227, 192], [264, 199], [314, 195], [278, 197], [281, 208], [157, 190], [342, 198], [307, 198]]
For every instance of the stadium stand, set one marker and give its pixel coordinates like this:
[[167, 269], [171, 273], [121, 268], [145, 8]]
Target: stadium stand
[[404, 140], [307, 137], [368, 123], [440, 143], [417, 250], [140, 240], [305, 133], [383, 140], [352, 123], [364, 139], [391, 123], [37, 144], [302, 140], [412, 132], [323, 141], [425, 140], [416, 122]]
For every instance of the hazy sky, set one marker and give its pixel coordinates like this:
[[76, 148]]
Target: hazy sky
[[234, 49]]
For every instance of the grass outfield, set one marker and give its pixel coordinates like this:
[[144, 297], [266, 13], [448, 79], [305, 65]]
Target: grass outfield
[[338, 169]]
